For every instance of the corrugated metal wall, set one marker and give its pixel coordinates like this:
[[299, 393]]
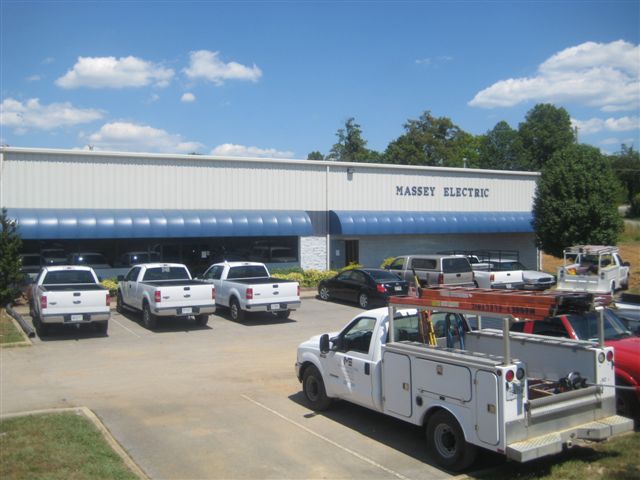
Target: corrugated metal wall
[[65, 179]]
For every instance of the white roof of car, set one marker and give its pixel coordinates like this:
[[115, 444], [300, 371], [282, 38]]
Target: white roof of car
[[58, 268]]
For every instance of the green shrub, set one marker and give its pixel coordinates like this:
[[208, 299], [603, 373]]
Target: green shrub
[[351, 266], [286, 271], [386, 262], [111, 284], [306, 278], [295, 276]]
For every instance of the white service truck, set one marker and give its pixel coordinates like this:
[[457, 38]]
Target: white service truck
[[593, 269], [68, 295], [523, 396], [165, 290], [246, 287]]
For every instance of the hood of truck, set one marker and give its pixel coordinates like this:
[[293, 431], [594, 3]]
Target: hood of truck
[[533, 276]]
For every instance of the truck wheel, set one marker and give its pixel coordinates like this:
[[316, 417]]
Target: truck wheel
[[202, 319], [237, 314], [149, 319], [313, 388], [102, 327], [363, 300], [41, 329], [119, 307], [283, 314], [626, 403], [324, 293], [447, 444]]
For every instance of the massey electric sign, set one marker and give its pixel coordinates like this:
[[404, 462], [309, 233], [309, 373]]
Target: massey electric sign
[[427, 191]]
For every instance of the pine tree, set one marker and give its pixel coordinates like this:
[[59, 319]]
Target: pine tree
[[10, 275]]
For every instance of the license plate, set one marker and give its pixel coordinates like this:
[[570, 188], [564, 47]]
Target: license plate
[[275, 306], [508, 285], [187, 310], [76, 318], [397, 288]]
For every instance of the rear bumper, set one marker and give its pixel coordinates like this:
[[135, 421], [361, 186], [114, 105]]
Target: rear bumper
[[274, 306], [71, 319], [553, 443], [184, 311]]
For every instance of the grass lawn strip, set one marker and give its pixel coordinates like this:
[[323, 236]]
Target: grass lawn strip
[[10, 333], [61, 445]]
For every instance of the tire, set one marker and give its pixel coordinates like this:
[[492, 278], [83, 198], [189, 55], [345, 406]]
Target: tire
[[324, 293], [447, 444], [203, 319], [149, 319], [626, 403], [102, 327], [314, 391], [363, 300], [41, 329], [119, 306], [236, 313], [284, 314]]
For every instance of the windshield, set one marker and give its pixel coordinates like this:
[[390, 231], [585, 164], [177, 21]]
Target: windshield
[[166, 273], [586, 326], [507, 266], [383, 275]]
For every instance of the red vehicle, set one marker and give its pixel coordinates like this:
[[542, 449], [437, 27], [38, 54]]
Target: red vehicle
[[584, 326]]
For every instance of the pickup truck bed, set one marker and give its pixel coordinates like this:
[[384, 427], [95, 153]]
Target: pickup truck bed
[[261, 281], [174, 283], [71, 288]]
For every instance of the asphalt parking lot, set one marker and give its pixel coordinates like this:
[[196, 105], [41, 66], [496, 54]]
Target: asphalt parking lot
[[220, 401]]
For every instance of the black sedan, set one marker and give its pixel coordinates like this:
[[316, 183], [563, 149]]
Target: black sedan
[[363, 286]]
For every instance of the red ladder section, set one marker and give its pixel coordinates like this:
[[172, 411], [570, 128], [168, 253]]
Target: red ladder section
[[521, 304]]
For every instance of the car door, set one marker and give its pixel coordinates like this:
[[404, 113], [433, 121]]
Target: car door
[[130, 278], [357, 283], [349, 366], [338, 286], [213, 276]]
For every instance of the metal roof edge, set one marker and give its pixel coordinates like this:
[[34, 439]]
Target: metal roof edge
[[324, 163]]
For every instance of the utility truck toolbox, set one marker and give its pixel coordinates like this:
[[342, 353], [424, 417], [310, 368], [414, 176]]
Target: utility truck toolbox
[[520, 395]]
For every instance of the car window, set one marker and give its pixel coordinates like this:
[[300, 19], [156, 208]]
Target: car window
[[132, 275], [383, 275], [344, 276], [357, 337], [359, 277], [424, 263], [62, 277], [551, 328], [586, 326], [397, 264], [214, 273], [406, 328], [455, 265], [165, 273], [248, 271]]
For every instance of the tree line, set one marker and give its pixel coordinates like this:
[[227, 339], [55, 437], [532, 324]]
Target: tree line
[[579, 189]]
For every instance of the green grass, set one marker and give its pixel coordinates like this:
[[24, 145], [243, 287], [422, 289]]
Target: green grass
[[60, 446], [630, 234], [8, 332], [616, 459]]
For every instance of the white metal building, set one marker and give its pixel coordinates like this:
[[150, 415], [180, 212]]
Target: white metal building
[[315, 214]]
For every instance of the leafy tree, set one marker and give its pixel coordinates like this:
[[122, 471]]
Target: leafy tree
[[429, 140], [351, 147], [546, 130], [626, 165], [501, 149], [315, 155], [574, 201], [10, 275]]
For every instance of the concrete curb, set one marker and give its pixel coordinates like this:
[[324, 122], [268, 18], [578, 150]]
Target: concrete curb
[[106, 434]]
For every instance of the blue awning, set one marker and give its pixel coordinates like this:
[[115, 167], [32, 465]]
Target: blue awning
[[37, 223], [414, 223]]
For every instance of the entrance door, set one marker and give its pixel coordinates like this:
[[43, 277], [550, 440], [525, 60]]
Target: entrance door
[[352, 251]]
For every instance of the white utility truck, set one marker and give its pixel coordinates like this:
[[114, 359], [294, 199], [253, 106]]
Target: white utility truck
[[68, 295], [594, 269], [524, 396], [165, 290], [246, 287]]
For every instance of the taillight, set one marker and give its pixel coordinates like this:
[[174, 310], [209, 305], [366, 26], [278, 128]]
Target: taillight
[[509, 376], [440, 278], [249, 294], [610, 356], [492, 277], [108, 300], [43, 301], [213, 293], [157, 296], [380, 288], [298, 291]]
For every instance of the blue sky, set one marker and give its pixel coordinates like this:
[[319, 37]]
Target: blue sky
[[279, 78]]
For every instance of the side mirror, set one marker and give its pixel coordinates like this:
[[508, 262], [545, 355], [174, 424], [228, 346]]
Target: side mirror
[[120, 278], [324, 343]]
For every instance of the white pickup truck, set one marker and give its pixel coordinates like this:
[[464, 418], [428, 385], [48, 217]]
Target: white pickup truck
[[525, 399], [165, 290], [68, 295], [511, 275], [246, 287], [594, 269]]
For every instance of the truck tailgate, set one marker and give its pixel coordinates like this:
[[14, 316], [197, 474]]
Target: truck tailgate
[[273, 292], [76, 302], [185, 296]]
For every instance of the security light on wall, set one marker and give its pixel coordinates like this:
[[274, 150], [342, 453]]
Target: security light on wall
[[350, 171]]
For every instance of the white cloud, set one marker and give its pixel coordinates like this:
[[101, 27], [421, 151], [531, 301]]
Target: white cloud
[[188, 97], [111, 72], [604, 76], [128, 136], [32, 115], [595, 125], [610, 141], [207, 65], [429, 62], [232, 150], [33, 78]]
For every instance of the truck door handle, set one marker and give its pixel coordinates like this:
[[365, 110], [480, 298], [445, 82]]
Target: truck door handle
[[76, 294], [367, 368], [187, 288], [76, 302]]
